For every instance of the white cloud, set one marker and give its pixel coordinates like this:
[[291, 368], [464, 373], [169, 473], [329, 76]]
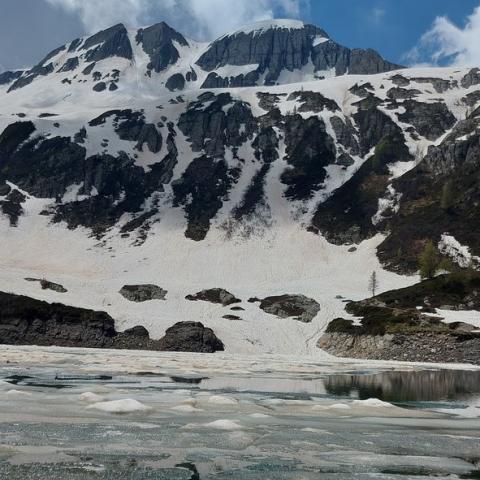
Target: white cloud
[[378, 14], [203, 19], [98, 14], [447, 43]]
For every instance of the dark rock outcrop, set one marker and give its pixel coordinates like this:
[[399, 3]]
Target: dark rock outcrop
[[8, 77], [216, 122], [112, 42], [175, 82], [455, 162], [70, 65], [47, 285], [309, 150], [471, 78], [346, 216], [130, 125], [157, 42], [432, 347], [396, 325], [12, 206], [268, 101], [298, 307], [400, 80], [100, 87], [313, 102], [143, 293], [190, 337], [280, 48], [29, 76], [373, 124], [440, 85], [345, 134], [215, 295], [201, 189], [403, 93], [111, 186], [25, 321], [431, 120]]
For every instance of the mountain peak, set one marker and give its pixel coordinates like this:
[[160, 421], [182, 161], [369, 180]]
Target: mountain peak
[[273, 24], [269, 52]]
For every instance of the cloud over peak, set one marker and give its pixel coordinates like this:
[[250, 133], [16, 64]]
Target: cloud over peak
[[201, 19], [449, 44]]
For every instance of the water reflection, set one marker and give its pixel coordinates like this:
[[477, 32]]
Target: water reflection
[[401, 386]]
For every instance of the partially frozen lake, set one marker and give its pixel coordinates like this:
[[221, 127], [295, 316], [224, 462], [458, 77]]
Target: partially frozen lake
[[85, 414]]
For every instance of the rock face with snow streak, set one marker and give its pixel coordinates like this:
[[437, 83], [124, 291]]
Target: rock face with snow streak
[[273, 47], [266, 53]]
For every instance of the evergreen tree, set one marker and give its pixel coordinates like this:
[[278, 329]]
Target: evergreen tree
[[373, 283], [447, 196], [428, 261]]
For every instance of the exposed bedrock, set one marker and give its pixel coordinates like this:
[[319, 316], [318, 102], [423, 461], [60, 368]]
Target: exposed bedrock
[[309, 150], [346, 216], [398, 325], [424, 347], [431, 120], [26, 321], [272, 51]]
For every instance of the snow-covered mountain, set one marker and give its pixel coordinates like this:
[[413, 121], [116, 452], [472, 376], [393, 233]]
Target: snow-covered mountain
[[265, 53], [272, 161]]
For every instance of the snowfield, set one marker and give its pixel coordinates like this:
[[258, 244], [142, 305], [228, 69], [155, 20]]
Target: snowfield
[[281, 258]]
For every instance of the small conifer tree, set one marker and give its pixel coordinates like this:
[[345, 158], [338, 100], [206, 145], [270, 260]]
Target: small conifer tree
[[447, 199], [373, 283], [428, 261]]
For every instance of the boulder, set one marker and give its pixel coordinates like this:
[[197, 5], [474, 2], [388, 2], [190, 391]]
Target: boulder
[[214, 295], [298, 307], [190, 337], [175, 82], [143, 293], [47, 285]]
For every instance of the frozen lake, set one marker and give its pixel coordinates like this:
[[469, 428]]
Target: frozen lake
[[85, 414]]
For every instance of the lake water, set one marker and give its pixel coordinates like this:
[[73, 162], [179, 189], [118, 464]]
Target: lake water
[[83, 414]]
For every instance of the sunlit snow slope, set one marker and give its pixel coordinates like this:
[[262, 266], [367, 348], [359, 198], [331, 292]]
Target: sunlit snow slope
[[281, 182]]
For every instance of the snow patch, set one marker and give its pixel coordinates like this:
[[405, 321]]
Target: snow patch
[[459, 253], [91, 397], [263, 26], [391, 202], [221, 400], [372, 403], [224, 425], [319, 40], [127, 405]]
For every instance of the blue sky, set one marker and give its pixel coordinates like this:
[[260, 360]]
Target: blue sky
[[393, 27], [31, 28]]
